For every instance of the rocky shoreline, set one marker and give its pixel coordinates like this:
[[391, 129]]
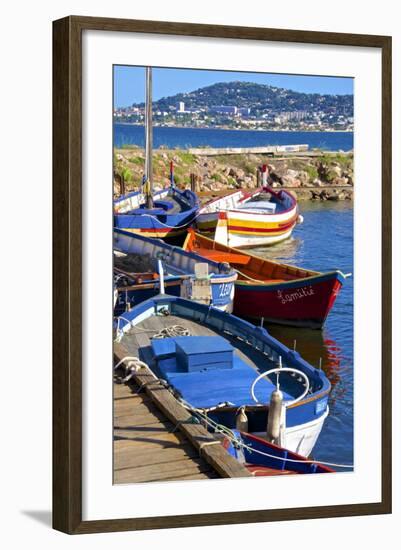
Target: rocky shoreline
[[318, 178]]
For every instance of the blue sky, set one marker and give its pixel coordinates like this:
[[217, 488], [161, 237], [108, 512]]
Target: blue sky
[[129, 82]]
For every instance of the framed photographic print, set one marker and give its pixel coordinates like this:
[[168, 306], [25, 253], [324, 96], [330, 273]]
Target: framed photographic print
[[222, 275]]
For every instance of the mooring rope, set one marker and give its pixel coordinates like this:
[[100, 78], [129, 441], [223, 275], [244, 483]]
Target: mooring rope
[[134, 364]]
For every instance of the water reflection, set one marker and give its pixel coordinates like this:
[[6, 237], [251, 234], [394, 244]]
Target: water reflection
[[286, 250], [314, 346], [322, 243]]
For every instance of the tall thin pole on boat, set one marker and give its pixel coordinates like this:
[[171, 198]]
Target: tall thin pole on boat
[[148, 187]]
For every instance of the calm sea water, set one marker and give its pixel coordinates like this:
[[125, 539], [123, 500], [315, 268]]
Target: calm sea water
[[125, 134], [325, 242]]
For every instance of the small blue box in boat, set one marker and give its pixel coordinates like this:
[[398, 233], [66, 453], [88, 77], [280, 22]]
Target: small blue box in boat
[[195, 353], [163, 347]]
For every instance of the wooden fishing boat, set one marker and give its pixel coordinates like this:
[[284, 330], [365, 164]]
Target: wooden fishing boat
[[186, 274], [217, 364], [171, 213], [263, 458], [246, 219], [275, 291], [163, 214]]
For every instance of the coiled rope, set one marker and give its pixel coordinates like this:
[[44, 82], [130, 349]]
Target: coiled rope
[[171, 332]]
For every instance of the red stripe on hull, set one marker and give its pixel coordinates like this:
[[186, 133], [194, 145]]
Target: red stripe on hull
[[308, 304]]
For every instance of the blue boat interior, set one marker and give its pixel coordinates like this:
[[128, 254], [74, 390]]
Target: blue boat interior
[[277, 203], [174, 203], [206, 371], [219, 360]]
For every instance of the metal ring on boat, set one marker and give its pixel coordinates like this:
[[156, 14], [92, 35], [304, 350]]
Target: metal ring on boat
[[278, 370]]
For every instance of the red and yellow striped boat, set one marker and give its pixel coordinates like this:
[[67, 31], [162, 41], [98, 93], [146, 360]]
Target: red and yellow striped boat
[[247, 219]]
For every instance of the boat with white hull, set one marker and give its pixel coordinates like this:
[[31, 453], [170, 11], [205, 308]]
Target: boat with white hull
[[247, 219], [229, 370]]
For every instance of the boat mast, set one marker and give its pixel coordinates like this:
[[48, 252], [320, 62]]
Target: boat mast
[[148, 186]]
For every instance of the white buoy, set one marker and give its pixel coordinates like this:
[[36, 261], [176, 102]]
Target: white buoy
[[300, 219], [241, 420], [274, 416], [161, 275]]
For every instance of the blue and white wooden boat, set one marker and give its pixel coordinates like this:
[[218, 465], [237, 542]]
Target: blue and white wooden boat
[[186, 274], [172, 212], [225, 367], [165, 214]]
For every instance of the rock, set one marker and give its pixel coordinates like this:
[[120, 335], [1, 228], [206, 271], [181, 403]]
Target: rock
[[216, 186], [250, 182], [340, 181], [289, 181], [304, 178], [350, 177], [317, 183], [236, 173], [279, 171], [333, 197]]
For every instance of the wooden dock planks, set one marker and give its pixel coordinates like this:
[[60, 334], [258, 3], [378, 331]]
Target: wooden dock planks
[[145, 446], [155, 438]]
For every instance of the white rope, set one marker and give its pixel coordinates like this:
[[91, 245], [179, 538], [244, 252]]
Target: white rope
[[132, 366], [207, 443], [240, 444], [172, 331]]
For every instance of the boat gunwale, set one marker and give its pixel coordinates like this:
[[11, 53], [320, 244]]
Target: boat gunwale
[[177, 249], [322, 277], [260, 332], [258, 191], [315, 275]]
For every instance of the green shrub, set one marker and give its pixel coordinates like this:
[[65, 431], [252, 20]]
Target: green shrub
[[311, 171]]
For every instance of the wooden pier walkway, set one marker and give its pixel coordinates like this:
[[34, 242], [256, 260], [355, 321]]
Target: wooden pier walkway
[[155, 438], [145, 446]]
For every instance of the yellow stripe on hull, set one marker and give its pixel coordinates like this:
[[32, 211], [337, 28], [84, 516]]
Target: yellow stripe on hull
[[160, 234]]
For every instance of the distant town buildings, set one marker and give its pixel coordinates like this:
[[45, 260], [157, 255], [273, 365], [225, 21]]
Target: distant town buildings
[[202, 108], [224, 110]]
